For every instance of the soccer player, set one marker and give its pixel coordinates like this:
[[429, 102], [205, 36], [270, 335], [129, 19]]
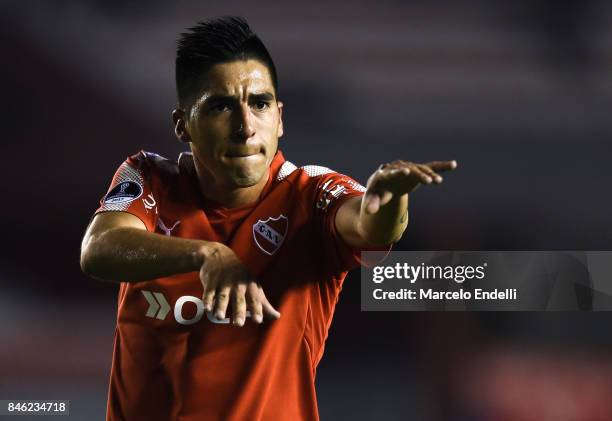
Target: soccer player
[[211, 249]]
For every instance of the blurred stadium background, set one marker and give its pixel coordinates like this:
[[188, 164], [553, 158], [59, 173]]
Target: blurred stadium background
[[518, 92]]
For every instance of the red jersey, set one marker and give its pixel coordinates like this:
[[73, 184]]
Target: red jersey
[[172, 360]]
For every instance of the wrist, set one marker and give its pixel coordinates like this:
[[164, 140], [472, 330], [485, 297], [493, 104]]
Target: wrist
[[203, 252], [387, 225]]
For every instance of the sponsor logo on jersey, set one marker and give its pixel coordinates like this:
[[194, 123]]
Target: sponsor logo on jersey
[[159, 308], [124, 192], [270, 234]]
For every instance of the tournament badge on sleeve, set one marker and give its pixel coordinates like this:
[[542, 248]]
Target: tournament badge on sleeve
[[124, 192], [269, 234]]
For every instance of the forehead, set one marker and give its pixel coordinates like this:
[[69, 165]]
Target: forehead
[[235, 77]]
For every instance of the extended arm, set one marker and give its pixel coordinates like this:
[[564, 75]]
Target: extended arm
[[380, 216]]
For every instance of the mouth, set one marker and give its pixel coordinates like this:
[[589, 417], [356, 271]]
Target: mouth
[[243, 153]]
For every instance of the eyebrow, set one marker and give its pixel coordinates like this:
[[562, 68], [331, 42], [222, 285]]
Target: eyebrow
[[263, 96]]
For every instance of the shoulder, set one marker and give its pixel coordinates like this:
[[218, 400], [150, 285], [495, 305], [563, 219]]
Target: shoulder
[[310, 173], [153, 168], [151, 162], [315, 175], [302, 178]]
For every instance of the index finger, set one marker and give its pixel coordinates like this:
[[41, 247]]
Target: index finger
[[442, 165]]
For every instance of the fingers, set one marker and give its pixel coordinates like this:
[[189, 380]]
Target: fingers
[[239, 304], [378, 193], [227, 283], [400, 177], [389, 180], [256, 301], [221, 301], [210, 289], [442, 165], [386, 197], [421, 174], [268, 309], [430, 173], [243, 297], [253, 301], [372, 203]]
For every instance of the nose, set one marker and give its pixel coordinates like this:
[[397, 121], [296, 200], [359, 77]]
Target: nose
[[244, 123]]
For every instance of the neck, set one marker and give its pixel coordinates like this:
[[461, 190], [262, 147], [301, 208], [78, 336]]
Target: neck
[[230, 196]]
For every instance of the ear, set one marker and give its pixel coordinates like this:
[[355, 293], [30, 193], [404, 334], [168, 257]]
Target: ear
[[180, 125], [280, 118]]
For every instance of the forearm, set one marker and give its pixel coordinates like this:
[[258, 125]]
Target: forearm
[[385, 226], [380, 217], [130, 254]]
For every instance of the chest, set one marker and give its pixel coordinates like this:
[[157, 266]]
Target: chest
[[280, 227]]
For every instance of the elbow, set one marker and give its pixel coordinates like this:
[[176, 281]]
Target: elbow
[[90, 259], [88, 266]]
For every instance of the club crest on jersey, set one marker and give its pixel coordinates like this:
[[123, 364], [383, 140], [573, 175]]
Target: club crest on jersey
[[269, 234]]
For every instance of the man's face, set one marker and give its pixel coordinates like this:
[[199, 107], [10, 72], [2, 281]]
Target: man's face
[[234, 123]]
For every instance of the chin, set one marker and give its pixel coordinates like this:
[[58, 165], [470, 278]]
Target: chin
[[249, 179]]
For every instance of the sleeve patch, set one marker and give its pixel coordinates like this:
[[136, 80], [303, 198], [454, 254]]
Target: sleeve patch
[[128, 187]]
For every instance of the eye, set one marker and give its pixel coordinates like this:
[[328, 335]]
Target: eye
[[261, 105], [220, 107]]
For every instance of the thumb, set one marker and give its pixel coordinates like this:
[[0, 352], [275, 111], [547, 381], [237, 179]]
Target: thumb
[[385, 197], [372, 203]]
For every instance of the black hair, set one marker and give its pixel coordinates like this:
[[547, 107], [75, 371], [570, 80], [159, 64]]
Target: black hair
[[211, 42]]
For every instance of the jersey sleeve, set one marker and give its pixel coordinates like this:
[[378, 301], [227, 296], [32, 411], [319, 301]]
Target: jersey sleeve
[[131, 191], [333, 189]]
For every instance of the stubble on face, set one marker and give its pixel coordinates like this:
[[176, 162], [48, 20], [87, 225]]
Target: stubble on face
[[235, 124]]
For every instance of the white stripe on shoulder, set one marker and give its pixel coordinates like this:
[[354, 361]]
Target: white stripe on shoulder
[[285, 169], [312, 170], [315, 170]]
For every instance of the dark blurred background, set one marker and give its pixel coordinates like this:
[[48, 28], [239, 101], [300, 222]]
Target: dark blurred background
[[519, 93]]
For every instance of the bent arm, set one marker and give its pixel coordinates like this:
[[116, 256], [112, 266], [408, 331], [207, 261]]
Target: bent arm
[[117, 247]]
